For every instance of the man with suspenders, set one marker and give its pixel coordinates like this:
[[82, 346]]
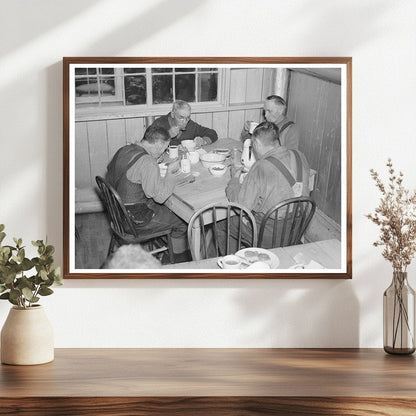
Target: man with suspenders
[[278, 174], [134, 173], [274, 112]]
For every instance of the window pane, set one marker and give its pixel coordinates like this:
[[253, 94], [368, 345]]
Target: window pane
[[90, 87], [82, 87], [107, 71], [155, 70], [207, 87], [135, 89], [162, 89], [185, 87], [184, 69], [134, 70], [207, 69], [92, 71], [107, 86], [80, 71]]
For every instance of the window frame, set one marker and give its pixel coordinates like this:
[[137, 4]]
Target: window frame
[[86, 110]]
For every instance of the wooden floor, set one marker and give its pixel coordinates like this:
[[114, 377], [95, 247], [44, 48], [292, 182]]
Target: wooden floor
[[94, 238]]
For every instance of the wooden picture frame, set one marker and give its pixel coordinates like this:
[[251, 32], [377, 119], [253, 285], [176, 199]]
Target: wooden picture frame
[[99, 117]]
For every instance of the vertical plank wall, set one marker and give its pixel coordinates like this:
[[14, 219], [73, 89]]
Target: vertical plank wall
[[315, 105]]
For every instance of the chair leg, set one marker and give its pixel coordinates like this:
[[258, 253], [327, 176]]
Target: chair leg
[[111, 246], [170, 249]]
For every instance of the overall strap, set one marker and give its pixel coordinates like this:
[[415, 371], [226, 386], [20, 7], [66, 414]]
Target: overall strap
[[135, 159], [285, 126], [282, 169], [299, 170], [115, 172], [285, 171]]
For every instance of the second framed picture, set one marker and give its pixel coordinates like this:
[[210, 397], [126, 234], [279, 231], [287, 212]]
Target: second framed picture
[[207, 167]]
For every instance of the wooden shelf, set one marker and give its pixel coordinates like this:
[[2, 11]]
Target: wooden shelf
[[212, 382]]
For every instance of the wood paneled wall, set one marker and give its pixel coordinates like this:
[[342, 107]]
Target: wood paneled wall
[[315, 105], [96, 141]]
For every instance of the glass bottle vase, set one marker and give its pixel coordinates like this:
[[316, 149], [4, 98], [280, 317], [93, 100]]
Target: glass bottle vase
[[399, 316]]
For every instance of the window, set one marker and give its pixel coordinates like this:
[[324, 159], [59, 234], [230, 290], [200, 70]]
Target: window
[[144, 86]]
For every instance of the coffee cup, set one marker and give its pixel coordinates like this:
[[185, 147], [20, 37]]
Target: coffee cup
[[229, 262], [252, 126], [173, 152], [194, 157]]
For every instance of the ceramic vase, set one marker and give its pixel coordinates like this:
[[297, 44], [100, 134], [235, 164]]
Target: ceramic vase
[[27, 337], [399, 316]]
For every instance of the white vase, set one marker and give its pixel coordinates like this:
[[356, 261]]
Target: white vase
[[27, 337]]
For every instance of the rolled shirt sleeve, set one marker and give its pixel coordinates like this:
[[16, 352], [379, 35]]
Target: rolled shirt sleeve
[[146, 172]]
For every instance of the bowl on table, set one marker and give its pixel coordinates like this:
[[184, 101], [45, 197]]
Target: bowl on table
[[209, 159], [217, 169], [225, 152], [188, 145]]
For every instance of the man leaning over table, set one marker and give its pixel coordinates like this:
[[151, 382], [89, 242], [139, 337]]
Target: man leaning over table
[[135, 175], [265, 185], [274, 111], [180, 126]]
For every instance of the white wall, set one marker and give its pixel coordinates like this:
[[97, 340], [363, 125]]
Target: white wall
[[380, 35]]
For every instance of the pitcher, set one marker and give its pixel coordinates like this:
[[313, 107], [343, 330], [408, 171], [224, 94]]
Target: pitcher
[[247, 156]]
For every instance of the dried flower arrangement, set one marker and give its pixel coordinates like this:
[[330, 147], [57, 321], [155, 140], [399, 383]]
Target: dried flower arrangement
[[396, 216]]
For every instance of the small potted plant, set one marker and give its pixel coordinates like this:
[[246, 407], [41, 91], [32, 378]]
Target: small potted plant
[[27, 336]]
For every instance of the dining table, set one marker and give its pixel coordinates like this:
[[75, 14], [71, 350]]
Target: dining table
[[315, 256], [204, 189]]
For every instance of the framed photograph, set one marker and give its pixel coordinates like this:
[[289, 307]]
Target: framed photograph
[[207, 167]]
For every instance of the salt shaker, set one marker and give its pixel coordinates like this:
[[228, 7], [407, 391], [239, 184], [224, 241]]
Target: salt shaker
[[185, 164]]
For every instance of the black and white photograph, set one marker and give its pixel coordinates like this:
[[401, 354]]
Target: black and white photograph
[[213, 167]]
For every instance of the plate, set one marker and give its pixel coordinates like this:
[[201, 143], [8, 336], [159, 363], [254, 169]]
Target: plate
[[255, 254]]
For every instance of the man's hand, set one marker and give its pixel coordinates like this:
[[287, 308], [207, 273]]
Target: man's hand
[[199, 141], [247, 125], [173, 166], [174, 131]]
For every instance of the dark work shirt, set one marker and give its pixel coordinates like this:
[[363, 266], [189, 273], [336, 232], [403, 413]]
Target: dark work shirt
[[192, 130]]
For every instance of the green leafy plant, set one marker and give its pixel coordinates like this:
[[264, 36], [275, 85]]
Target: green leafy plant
[[15, 285]]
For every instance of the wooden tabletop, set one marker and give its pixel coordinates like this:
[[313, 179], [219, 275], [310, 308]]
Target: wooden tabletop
[[221, 381], [186, 199]]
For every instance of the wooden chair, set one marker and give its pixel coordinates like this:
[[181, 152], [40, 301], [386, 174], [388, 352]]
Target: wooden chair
[[288, 221], [210, 216], [123, 228]]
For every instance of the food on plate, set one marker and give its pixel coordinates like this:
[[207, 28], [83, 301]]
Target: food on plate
[[251, 255], [259, 256], [264, 257], [254, 256]]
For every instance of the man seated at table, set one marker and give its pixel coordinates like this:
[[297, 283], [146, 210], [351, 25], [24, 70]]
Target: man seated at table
[[274, 112], [135, 175], [180, 126], [267, 184]]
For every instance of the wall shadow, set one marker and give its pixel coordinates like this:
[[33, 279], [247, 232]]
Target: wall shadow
[[40, 15]]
